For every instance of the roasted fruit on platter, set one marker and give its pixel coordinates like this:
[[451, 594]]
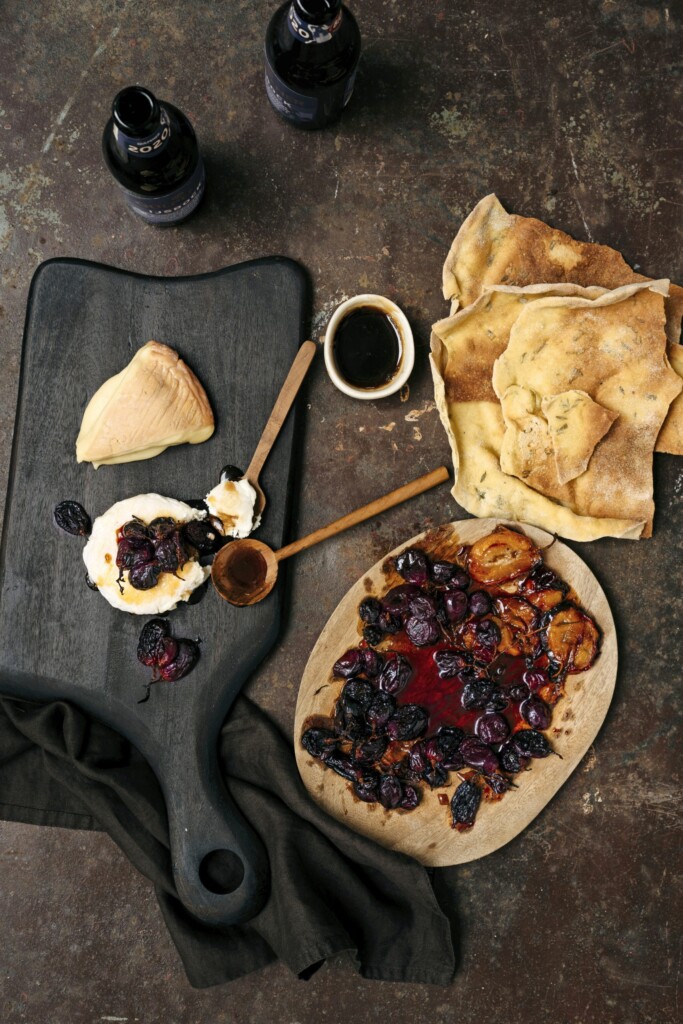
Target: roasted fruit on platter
[[473, 654]]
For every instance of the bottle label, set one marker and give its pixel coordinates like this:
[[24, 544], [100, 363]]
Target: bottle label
[[174, 206], [312, 110], [308, 33], [152, 144]]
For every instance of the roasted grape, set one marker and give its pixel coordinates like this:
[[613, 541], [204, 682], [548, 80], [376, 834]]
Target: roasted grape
[[413, 566], [477, 754], [449, 663], [465, 803], [455, 605], [366, 787], [476, 693], [535, 712], [423, 632], [408, 722], [479, 603], [373, 635], [202, 535], [320, 743], [410, 798], [369, 609], [71, 517], [530, 743], [149, 643], [492, 728], [183, 663], [380, 711], [396, 674], [390, 791], [350, 664], [145, 576]]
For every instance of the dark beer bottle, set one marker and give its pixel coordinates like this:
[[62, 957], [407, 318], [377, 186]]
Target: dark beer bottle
[[151, 149], [312, 51]]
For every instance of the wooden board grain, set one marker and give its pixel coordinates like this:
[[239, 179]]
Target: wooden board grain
[[239, 330], [425, 833]]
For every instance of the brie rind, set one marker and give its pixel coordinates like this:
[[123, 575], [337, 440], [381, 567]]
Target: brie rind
[[156, 401]]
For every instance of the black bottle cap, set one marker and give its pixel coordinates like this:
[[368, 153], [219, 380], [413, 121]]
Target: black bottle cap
[[135, 111], [318, 12]]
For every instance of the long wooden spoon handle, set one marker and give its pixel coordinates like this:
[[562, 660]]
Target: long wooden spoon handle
[[283, 404], [423, 483]]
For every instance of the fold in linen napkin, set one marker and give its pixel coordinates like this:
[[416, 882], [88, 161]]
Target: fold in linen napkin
[[331, 889]]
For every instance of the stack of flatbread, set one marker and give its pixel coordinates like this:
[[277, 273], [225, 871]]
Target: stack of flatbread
[[557, 376]]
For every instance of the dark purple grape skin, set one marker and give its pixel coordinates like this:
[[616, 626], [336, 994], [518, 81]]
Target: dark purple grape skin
[[422, 632], [478, 755], [369, 609], [498, 783], [372, 663], [449, 739], [166, 554], [492, 728], [145, 576], [479, 603], [381, 710], [510, 760], [413, 566], [342, 765], [397, 600], [497, 701], [535, 713], [475, 694], [202, 535], [350, 664], [432, 750], [373, 635], [465, 803], [396, 674], [454, 762], [71, 517], [487, 633], [417, 759], [133, 551], [436, 776], [449, 574], [388, 623], [90, 583], [320, 743], [423, 606], [366, 787], [161, 526], [230, 474], [409, 722], [530, 743], [410, 799], [455, 605], [358, 693], [149, 643], [168, 652], [370, 750], [449, 663], [390, 791], [185, 660], [351, 723], [535, 679], [135, 529], [518, 693]]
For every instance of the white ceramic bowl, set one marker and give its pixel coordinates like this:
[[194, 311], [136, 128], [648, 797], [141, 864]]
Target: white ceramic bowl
[[407, 347]]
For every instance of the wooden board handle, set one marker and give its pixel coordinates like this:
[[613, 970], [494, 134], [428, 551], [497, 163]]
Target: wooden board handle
[[283, 404], [415, 487]]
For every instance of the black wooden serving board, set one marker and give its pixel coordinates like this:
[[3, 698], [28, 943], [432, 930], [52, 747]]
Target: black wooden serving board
[[239, 330]]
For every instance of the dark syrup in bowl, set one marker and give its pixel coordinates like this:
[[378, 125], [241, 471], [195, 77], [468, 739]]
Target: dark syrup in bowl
[[367, 348]]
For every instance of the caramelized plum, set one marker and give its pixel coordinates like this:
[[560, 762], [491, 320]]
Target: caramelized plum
[[502, 555], [571, 638]]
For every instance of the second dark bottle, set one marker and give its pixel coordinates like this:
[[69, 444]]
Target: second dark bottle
[[312, 52]]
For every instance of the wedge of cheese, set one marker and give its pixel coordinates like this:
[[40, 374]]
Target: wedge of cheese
[[154, 402]]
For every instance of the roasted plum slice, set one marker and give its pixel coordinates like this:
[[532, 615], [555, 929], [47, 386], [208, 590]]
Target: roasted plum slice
[[522, 619], [571, 638], [500, 556]]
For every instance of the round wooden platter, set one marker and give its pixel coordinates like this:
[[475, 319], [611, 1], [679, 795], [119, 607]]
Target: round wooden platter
[[426, 833]]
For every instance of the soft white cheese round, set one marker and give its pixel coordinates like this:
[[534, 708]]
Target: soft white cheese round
[[233, 502], [99, 556]]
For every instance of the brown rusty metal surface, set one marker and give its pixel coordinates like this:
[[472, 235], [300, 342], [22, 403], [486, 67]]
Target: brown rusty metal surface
[[570, 112]]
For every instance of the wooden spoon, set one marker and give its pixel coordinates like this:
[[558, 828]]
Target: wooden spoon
[[245, 571], [283, 404]]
